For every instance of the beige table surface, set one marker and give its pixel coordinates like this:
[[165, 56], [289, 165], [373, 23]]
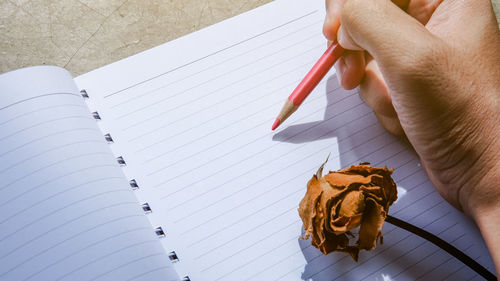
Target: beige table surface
[[82, 35]]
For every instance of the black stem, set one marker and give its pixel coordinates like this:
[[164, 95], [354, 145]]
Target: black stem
[[461, 256]]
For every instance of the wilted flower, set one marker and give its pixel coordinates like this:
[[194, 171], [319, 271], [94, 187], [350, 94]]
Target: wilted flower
[[341, 201]]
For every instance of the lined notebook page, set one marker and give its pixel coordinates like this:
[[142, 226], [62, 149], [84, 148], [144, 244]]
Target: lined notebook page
[[192, 118], [66, 210]]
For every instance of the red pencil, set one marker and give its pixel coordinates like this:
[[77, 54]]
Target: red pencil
[[305, 87]]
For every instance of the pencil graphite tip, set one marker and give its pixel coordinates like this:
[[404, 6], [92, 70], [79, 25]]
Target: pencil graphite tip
[[276, 124]]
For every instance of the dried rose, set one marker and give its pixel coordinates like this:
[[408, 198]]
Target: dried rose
[[343, 200]]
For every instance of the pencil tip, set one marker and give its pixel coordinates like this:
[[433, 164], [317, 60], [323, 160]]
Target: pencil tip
[[276, 124]]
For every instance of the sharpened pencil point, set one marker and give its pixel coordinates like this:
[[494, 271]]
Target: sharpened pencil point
[[276, 124]]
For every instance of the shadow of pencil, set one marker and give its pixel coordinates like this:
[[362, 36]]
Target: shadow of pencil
[[317, 130]]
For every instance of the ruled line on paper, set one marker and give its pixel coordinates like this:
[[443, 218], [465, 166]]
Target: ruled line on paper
[[359, 264], [438, 250], [38, 110], [48, 136], [61, 209], [143, 274], [274, 264], [298, 190], [263, 178], [380, 252], [319, 255], [384, 249], [268, 162], [241, 132], [214, 53], [110, 254], [258, 257], [55, 195], [300, 250], [45, 122], [263, 223], [49, 150], [207, 95], [240, 220], [412, 173], [433, 252], [235, 149], [406, 252], [36, 97], [155, 130], [452, 273], [245, 159], [10, 200], [254, 183], [214, 65], [51, 165], [235, 96], [409, 253], [251, 245], [64, 224], [264, 238], [289, 180], [126, 264], [429, 193], [436, 267], [83, 249], [248, 231]]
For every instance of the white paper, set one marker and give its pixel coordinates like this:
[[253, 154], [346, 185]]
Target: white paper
[[193, 116], [66, 209]]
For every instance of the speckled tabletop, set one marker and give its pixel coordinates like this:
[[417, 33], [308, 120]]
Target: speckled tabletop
[[82, 35]]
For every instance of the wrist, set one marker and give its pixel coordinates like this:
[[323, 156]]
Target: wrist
[[487, 222], [480, 195]]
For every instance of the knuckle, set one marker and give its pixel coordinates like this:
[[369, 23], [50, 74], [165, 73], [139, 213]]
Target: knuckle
[[350, 11]]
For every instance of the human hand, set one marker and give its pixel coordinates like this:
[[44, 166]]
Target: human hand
[[431, 70]]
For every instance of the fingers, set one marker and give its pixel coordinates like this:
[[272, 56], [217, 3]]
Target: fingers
[[381, 28], [333, 8], [332, 19], [350, 69], [375, 93]]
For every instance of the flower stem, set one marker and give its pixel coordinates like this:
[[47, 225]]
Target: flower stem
[[461, 256]]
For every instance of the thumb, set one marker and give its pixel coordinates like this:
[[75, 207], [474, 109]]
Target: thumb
[[383, 29]]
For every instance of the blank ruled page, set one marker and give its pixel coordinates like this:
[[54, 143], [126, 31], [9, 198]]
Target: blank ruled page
[[66, 210], [192, 118]]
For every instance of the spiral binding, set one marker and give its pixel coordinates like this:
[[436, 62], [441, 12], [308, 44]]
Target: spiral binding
[[96, 115], [121, 161], [133, 184], [84, 94], [146, 208], [108, 138], [173, 256]]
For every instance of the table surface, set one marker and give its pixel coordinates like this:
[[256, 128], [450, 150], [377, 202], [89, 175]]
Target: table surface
[[81, 35]]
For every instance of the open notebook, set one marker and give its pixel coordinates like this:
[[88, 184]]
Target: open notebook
[[169, 169]]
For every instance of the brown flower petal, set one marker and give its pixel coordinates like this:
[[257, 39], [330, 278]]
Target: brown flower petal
[[372, 223], [341, 201]]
